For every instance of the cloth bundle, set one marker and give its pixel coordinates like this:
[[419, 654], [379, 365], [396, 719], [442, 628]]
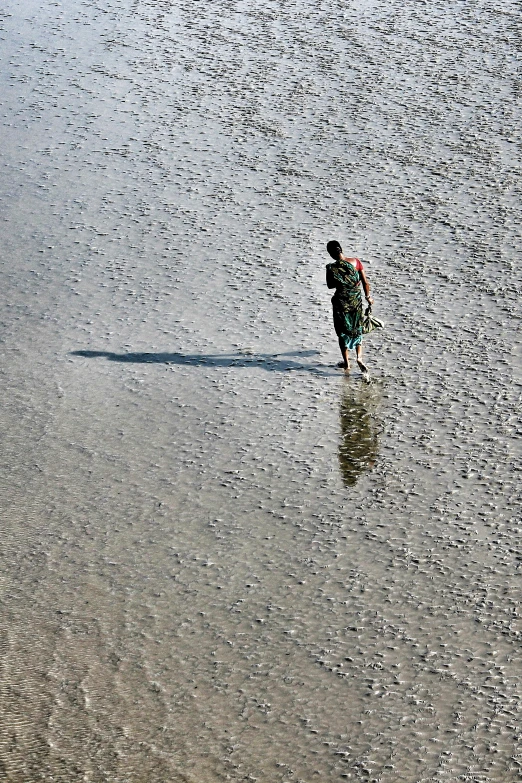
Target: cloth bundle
[[369, 322]]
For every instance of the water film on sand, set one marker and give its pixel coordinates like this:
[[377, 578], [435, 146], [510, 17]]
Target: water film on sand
[[222, 558]]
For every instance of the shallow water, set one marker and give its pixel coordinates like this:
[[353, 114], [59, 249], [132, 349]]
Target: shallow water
[[223, 559]]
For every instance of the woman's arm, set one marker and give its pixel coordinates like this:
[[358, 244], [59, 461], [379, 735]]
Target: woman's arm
[[330, 278], [366, 286]]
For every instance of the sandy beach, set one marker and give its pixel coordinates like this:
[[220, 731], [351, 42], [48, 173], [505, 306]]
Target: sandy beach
[[222, 558]]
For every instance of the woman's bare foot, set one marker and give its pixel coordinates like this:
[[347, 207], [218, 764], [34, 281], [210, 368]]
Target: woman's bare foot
[[344, 366], [365, 371]]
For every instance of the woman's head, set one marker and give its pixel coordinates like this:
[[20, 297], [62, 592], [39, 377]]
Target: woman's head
[[334, 248]]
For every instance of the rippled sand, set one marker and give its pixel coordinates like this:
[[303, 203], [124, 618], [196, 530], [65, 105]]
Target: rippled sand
[[221, 558]]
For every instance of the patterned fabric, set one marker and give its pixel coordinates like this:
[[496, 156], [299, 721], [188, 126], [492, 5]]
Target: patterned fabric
[[370, 322], [346, 302]]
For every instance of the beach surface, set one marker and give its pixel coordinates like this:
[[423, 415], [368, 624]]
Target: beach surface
[[222, 558]]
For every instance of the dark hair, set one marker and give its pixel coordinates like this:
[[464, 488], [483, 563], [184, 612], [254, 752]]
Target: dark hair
[[334, 248]]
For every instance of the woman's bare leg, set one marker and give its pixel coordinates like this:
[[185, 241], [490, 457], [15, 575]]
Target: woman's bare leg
[[358, 350], [346, 359]]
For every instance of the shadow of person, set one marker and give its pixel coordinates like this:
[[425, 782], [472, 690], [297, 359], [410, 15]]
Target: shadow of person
[[359, 441], [277, 362]]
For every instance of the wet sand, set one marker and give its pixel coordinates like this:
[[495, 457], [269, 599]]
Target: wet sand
[[222, 558]]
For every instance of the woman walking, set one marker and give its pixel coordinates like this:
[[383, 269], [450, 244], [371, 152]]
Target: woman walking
[[345, 275]]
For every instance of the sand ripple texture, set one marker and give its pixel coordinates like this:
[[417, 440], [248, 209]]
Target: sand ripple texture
[[221, 559]]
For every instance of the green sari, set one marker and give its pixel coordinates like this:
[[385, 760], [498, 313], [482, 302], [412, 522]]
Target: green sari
[[346, 302]]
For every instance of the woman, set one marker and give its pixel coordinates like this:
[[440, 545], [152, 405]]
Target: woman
[[345, 275]]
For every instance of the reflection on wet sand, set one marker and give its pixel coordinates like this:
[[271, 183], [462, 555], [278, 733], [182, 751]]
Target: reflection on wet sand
[[359, 442]]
